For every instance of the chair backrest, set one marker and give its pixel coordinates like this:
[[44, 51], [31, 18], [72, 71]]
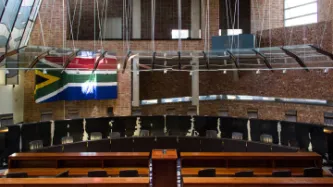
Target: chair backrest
[[97, 174], [313, 172], [129, 173], [286, 173], [34, 145], [115, 135], [96, 136], [266, 138], [244, 174], [237, 136], [144, 133], [207, 173], [211, 134], [17, 175], [67, 140], [63, 174]]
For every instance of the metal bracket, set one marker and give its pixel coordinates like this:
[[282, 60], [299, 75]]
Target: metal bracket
[[298, 60], [69, 60], [264, 58], [38, 58], [233, 58], [11, 53], [322, 51], [99, 60], [125, 60]]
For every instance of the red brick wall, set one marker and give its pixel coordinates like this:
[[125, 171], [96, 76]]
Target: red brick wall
[[53, 36]]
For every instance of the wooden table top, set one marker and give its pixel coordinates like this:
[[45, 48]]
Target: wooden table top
[[59, 181], [257, 181], [83, 155], [169, 154], [248, 155]]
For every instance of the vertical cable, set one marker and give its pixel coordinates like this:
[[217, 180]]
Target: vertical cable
[[179, 25], [153, 6]]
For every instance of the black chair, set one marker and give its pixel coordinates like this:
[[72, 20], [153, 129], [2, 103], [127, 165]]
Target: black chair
[[211, 145], [17, 175], [207, 173], [286, 173], [129, 173], [122, 145], [244, 174], [63, 174], [144, 144], [97, 174], [234, 145], [75, 147], [313, 172], [277, 148], [99, 146], [189, 144], [166, 143], [258, 147]]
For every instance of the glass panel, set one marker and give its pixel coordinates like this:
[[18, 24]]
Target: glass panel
[[2, 6], [30, 23], [301, 21], [184, 34], [300, 11], [293, 3], [8, 20]]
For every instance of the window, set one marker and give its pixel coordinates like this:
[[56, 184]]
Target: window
[[46, 116], [252, 114], [291, 116], [300, 12], [184, 34]]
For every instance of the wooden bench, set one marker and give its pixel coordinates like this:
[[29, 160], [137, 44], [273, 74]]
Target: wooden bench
[[251, 160], [78, 160], [256, 182], [76, 182], [257, 171]]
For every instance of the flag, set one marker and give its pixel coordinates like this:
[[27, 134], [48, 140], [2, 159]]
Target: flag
[[74, 84]]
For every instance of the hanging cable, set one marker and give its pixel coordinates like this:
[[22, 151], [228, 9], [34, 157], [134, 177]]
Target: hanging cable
[[41, 29], [179, 25], [153, 7], [70, 23], [327, 16], [79, 21], [51, 24]]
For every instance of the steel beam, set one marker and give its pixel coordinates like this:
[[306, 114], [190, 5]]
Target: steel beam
[[294, 56], [11, 53], [99, 60], [322, 51], [69, 60], [38, 58], [264, 58]]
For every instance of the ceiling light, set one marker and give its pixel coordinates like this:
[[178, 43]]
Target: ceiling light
[[284, 71], [191, 73], [44, 71], [118, 66], [225, 72], [7, 71], [165, 71], [258, 72], [326, 70]]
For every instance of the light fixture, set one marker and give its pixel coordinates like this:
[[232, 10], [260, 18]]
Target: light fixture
[[258, 72], [326, 70], [225, 72], [284, 71], [7, 71], [44, 71], [118, 66], [165, 71], [191, 73]]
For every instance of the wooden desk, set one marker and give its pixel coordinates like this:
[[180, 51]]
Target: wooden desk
[[164, 168], [74, 160], [76, 182], [224, 159], [257, 182]]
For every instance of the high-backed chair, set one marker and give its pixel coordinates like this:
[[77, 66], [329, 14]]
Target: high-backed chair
[[234, 145], [211, 134], [129, 173], [266, 138], [189, 144], [122, 145], [211, 145], [96, 136], [207, 173], [313, 172], [258, 147], [75, 147], [99, 146], [63, 174], [244, 174], [237, 136], [143, 144], [97, 174], [285, 173], [17, 175], [144, 133]]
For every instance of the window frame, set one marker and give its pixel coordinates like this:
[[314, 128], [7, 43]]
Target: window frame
[[300, 16]]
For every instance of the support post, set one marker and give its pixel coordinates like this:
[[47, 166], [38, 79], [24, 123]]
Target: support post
[[136, 82]]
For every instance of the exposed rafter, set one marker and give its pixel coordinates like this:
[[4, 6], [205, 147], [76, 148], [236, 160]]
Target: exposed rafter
[[264, 58], [69, 59], [38, 58], [322, 51], [233, 58], [100, 58], [294, 56], [126, 59], [11, 53]]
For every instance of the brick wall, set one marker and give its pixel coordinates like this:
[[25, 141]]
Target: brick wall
[[53, 36]]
